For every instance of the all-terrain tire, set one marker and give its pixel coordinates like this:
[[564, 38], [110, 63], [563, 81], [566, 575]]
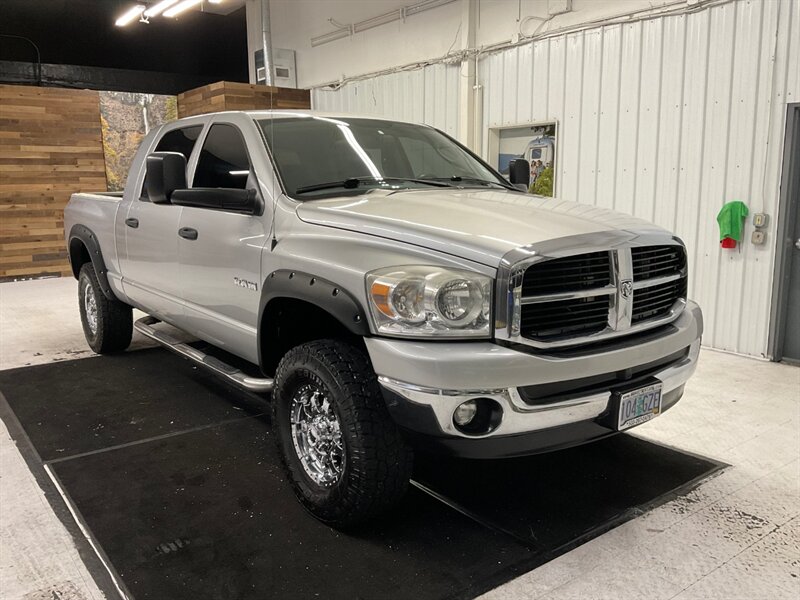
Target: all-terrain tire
[[107, 324], [377, 460]]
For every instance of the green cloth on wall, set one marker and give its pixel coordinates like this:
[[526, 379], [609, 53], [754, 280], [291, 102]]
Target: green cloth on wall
[[731, 220]]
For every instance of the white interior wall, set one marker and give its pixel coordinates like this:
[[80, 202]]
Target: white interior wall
[[430, 34], [429, 95], [666, 118]]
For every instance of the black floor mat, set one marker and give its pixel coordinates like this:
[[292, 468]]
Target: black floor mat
[[175, 476], [79, 406]]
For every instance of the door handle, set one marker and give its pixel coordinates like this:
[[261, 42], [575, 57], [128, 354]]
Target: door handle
[[797, 243], [130, 222], [187, 233]]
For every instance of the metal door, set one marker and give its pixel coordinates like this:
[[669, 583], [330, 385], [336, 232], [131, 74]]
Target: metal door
[[150, 254], [786, 308], [151, 270], [220, 262]]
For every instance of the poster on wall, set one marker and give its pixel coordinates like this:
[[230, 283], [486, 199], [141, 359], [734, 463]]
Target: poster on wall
[[535, 143], [126, 118]]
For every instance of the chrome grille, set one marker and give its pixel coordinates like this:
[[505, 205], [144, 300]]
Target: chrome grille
[[553, 320], [657, 301], [650, 262], [566, 300], [569, 274]]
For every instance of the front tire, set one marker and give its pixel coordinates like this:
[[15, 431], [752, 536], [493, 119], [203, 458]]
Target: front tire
[[344, 456], [107, 324]]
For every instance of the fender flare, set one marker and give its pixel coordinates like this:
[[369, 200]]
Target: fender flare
[[88, 238], [327, 295]]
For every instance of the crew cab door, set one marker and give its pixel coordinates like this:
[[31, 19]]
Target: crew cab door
[[220, 253], [150, 269]]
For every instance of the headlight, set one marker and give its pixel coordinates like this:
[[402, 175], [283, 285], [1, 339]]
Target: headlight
[[424, 301]]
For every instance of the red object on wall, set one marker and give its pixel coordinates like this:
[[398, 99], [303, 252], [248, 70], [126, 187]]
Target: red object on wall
[[728, 243]]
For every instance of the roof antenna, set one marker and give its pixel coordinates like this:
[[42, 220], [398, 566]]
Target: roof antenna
[[266, 49], [275, 176]]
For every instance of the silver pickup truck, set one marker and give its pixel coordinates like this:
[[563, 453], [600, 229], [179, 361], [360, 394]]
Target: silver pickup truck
[[389, 289]]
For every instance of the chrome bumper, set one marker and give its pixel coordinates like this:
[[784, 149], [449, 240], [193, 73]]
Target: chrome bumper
[[518, 416]]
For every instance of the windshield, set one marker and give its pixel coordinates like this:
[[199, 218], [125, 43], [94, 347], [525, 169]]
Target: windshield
[[318, 156]]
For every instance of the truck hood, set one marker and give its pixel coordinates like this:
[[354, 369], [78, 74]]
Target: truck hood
[[479, 225]]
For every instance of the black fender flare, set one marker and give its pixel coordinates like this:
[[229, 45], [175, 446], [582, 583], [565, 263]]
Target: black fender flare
[[88, 238], [327, 295]]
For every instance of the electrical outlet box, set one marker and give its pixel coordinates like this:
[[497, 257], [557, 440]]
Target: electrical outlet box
[[558, 7], [760, 220], [758, 238]]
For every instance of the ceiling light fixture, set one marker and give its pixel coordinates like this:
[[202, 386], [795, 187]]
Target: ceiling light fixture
[[180, 7], [130, 16], [158, 8]]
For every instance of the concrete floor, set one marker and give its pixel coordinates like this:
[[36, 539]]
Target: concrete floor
[[737, 536]]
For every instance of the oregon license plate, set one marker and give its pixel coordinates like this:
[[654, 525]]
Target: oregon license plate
[[639, 405]]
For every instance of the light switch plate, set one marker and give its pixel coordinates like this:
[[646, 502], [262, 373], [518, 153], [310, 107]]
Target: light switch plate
[[758, 237], [760, 220]]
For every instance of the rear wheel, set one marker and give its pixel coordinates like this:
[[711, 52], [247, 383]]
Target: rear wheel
[[343, 454], [107, 324]]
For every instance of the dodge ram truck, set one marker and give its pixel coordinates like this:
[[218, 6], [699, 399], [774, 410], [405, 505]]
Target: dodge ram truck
[[389, 289]]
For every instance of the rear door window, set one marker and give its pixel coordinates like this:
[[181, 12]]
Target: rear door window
[[178, 140]]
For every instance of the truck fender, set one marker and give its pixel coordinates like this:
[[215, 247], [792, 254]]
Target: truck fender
[[80, 234], [325, 294]]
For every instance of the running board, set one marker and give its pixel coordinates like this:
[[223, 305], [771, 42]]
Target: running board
[[224, 370]]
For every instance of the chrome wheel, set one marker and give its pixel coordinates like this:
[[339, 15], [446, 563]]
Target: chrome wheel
[[90, 307], [317, 434]]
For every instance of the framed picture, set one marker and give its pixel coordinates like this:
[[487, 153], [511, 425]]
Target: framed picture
[[536, 143]]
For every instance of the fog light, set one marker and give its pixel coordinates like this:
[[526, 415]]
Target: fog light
[[465, 412], [479, 416]]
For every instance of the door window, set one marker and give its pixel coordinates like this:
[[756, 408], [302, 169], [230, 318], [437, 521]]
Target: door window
[[223, 162], [178, 140]]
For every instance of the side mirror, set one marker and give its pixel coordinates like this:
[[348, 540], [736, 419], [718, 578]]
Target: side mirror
[[229, 199], [519, 173], [165, 173]]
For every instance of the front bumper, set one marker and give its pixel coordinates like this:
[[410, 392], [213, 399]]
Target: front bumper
[[424, 382]]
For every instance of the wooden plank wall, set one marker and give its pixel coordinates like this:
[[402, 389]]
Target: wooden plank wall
[[50, 147], [227, 95]]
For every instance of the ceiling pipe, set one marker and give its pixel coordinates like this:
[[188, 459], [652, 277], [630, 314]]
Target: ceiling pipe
[[266, 42], [399, 14], [37, 66]]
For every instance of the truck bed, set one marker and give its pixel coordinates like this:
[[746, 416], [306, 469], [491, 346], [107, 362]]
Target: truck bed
[[98, 212]]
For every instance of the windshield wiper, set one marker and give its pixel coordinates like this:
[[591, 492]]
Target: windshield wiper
[[459, 178], [354, 182]]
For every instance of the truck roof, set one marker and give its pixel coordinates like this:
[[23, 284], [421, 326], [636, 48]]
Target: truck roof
[[286, 113]]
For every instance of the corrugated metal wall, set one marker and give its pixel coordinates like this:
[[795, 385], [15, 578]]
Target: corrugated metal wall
[[666, 119], [428, 95]]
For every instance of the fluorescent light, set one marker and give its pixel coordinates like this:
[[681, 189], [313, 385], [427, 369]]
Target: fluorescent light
[[158, 8], [215, 1], [129, 16], [180, 7]]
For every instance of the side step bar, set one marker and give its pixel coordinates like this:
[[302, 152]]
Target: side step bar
[[224, 370]]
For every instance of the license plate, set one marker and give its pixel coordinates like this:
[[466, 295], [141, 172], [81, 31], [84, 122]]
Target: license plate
[[638, 406]]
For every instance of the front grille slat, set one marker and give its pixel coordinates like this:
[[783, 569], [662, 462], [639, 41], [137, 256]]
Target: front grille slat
[[657, 294], [585, 318], [587, 274]]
